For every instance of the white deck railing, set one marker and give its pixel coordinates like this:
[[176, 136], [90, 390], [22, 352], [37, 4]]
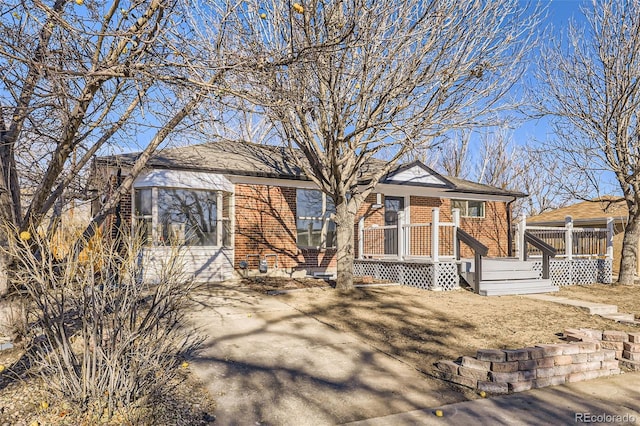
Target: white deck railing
[[432, 241], [569, 241]]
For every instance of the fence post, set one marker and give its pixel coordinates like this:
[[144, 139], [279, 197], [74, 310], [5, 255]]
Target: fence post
[[568, 237], [435, 234], [400, 225], [522, 227], [455, 214], [361, 237], [610, 238]]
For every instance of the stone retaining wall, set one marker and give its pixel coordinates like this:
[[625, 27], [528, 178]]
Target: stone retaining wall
[[625, 345], [504, 371]]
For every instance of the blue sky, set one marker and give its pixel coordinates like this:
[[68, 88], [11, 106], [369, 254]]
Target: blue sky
[[560, 12]]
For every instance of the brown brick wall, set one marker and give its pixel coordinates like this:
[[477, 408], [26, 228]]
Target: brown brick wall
[[266, 224], [490, 230]]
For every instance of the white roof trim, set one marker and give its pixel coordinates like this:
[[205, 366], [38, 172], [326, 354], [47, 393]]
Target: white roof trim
[[183, 179], [417, 175]]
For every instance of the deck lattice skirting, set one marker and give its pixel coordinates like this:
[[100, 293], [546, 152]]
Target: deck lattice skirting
[[422, 274], [565, 272], [429, 275]]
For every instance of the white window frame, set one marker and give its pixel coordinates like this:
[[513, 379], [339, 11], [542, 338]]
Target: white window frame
[[154, 215], [464, 207], [325, 219]]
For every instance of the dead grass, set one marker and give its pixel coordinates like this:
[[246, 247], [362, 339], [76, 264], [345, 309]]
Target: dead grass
[[423, 327]]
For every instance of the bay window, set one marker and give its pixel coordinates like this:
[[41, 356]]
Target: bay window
[[176, 216]]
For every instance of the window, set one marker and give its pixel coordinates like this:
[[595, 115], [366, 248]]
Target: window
[[169, 216], [187, 217], [314, 226], [143, 214], [469, 208]]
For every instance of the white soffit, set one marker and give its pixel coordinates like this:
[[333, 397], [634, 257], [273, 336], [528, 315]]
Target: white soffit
[[183, 179], [416, 174]]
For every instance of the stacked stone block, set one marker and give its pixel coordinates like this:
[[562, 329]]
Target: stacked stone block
[[625, 345], [504, 371]]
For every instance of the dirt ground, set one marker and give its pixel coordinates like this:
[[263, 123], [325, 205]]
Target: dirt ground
[[25, 399], [421, 327]]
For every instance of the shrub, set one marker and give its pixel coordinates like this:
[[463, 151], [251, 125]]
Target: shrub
[[101, 337]]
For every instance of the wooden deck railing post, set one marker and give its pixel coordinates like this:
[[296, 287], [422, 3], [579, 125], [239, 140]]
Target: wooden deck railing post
[[435, 234], [568, 237], [361, 238], [455, 215], [610, 238], [522, 245], [479, 250]]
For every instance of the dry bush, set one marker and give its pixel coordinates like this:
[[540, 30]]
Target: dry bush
[[101, 337]]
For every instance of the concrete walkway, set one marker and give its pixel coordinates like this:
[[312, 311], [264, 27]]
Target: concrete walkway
[[594, 308], [266, 363]]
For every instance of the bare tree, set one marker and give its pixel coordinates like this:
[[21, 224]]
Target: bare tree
[[454, 156], [591, 87], [81, 78], [347, 81], [499, 157]]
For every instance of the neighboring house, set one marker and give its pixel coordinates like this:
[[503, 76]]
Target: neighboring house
[[231, 204], [590, 214]]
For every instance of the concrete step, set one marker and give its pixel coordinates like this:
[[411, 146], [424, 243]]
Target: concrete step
[[593, 307], [502, 288], [484, 285], [620, 317], [517, 291]]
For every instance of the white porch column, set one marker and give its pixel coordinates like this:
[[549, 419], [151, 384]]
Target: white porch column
[[568, 237], [219, 214], [435, 234], [232, 219], [610, 231], [361, 237], [522, 227], [401, 247], [455, 214]]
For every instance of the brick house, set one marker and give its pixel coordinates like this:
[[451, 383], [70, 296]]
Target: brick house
[[232, 205]]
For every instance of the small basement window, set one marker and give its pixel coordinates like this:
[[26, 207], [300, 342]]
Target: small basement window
[[469, 208]]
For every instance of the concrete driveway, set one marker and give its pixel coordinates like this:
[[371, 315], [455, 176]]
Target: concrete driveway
[[267, 363]]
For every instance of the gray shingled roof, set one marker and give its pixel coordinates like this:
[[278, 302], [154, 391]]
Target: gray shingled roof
[[249, 159]]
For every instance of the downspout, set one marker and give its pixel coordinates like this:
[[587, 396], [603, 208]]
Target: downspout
[[509, 230]]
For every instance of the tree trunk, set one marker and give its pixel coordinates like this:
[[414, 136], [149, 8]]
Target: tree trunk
[[345, 246], [11, 308], [629, 257]]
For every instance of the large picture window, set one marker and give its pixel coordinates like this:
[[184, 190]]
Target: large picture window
[[314, 225], [172, 216], [469, 208]]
